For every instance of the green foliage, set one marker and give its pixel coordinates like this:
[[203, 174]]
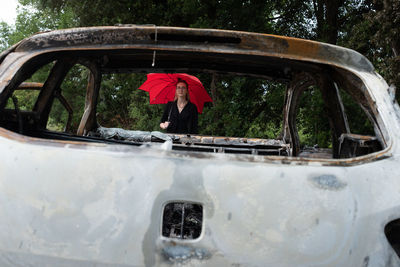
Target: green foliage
[[25, 99], [5, 32], [254, 108], [375, 33], [228, 14], [58, 118], [311, 121], [358, 121], [122, 105], [73, 89], [31, 20]]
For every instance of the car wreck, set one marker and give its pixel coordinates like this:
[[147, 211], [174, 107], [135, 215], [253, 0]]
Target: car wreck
[[122, 197]]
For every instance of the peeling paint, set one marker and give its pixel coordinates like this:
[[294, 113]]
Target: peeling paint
[[328, 182], [181, 254], [366, 261]]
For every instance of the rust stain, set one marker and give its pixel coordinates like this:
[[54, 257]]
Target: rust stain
[[245, 158], [48, 142], [302, 48], [30, 86]]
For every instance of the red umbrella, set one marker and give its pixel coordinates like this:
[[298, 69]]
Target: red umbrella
[[161, 88]]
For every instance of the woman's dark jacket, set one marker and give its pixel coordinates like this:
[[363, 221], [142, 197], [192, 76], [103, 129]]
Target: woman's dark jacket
[[184, 122]]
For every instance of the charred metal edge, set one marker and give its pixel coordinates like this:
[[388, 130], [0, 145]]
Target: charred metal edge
[[383, 154], [250, 43]]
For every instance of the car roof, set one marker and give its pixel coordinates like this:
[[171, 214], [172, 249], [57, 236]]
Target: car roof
[[193, 41]]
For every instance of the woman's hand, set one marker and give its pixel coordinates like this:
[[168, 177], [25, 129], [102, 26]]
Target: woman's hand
[[164, 125]]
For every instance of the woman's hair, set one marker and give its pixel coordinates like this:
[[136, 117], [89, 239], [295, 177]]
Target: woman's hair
[[182, 81], [187, 88]]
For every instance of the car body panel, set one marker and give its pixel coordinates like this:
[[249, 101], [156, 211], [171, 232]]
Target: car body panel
[[280, 214]]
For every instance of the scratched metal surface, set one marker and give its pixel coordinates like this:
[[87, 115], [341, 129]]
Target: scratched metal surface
[[84, 204], [80, 205]]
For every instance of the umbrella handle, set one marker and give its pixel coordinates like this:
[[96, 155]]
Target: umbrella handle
[[169, 115]]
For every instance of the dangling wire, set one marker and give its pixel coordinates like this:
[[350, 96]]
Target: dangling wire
[[155, 41]]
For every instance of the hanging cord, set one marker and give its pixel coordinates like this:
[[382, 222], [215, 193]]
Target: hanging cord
[[155, 41]]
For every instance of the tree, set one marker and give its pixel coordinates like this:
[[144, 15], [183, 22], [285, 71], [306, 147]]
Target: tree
[[375, 34], [387, 38]]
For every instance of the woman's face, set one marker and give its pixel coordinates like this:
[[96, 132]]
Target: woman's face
[[181, 89]]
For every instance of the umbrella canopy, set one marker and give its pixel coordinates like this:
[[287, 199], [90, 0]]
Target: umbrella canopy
[[161, 88]]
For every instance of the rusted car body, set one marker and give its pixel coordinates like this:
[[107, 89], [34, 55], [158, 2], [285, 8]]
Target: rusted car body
[[84, 199]]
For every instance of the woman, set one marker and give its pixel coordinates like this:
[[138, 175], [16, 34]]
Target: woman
[[180, 115]]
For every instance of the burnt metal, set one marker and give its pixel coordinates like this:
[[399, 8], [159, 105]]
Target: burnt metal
[[250, 43], [18, 112], [300, 83], [197, 143], [182, 220], [233, 149], [69, 109], [88, 121], [30, 86], [195, 38], [353, 145], [46, 96], [333, 105], [173, 61], [356, 88]]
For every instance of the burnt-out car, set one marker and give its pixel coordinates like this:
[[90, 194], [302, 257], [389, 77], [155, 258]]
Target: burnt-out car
[[92, 195]]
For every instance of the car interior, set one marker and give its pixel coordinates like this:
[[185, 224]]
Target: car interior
[[38, 90]]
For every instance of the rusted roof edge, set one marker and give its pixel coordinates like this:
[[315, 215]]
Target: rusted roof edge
[[190, 38]]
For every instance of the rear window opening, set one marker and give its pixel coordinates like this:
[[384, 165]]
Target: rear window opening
[[303, 114]]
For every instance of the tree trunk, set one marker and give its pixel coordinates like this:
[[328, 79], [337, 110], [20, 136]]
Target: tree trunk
[[327, 13]]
